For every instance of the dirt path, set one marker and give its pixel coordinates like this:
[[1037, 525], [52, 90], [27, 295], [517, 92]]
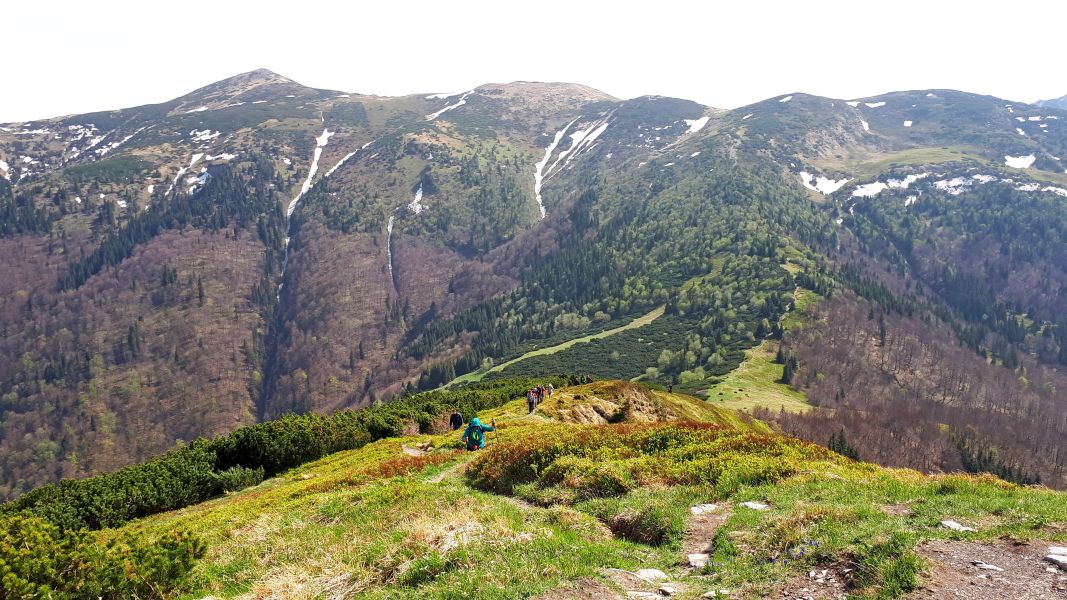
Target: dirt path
[[704, 523], [457, 469], [1025, 576]]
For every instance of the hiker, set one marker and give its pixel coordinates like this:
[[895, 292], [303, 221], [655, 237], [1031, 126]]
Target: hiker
[[531, 400], [670, 387], [474, 435], [456, 420], [550, 390]]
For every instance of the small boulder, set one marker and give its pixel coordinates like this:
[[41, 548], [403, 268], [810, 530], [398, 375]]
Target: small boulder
[[698, 560], [1060, 560], [703, 509], [986, 566], [1061, 550], [651, 575], [755, 505], [954, 526], [666, 590]]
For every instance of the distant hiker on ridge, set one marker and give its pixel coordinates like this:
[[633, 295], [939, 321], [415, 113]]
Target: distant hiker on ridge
[[456, 420], [474, 434]]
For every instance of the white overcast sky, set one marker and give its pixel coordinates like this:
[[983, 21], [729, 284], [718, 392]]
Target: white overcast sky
[[80, 56]]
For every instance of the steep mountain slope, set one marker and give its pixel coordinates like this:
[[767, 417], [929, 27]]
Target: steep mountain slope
[[258, 247]]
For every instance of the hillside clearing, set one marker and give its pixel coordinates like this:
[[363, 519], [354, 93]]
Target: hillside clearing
[[757, 384]]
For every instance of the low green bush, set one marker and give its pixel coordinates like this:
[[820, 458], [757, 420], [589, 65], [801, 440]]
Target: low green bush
[[595, 462], [239, 478], [38, 560], [206, 468]]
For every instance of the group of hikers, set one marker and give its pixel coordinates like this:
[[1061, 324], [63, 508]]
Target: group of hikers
[[474, 435], [536, 395]]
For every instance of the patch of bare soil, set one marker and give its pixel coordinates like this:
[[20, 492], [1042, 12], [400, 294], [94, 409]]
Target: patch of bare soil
[[901, 509], [583, 589], [820, 583], [700, 532], [997, 570]]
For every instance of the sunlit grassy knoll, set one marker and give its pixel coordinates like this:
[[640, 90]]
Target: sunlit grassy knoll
[[757, 383]]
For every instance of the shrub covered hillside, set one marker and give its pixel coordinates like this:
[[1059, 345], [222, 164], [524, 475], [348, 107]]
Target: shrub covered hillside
[[607, 490]]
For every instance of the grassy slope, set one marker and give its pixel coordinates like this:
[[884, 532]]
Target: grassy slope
[[389, 521], [638, 322], [757, 382]]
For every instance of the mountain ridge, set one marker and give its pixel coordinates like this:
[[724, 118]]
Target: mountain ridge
[[273, 254]]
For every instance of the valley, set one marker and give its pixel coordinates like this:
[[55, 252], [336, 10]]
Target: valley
[[257, 247]]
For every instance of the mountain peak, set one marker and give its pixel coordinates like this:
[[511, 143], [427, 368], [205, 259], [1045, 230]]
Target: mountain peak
[[259, 84]]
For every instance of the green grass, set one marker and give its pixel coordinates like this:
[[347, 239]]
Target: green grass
[[871, 166], [380, 523], [756, 383], [638, 322]]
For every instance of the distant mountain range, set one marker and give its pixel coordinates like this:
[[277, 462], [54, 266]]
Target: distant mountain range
[[1060, 103], [258, 247]]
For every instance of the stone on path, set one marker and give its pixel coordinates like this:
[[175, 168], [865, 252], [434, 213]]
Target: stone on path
[[698, 560], [703, 509], [1060, 560], [651, 575], [755, 505], [954, 526], [986, 566]]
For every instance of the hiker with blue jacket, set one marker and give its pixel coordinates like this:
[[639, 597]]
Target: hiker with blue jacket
[[474, 434]]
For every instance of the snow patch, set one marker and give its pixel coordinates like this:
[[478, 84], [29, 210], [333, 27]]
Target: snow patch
[[907, 123], [389, 248], [866, 125], [204, 135], [195, 110], [695, 154], [869, 190], [462, 101], [442, 96], [1020, 162], [196, 157], [696, 125], [952, 186], [539, 168], [1033, 118], [874, 104], [983, 178], [823, 185], [416, 205], [5, 169], [258, 101], [223, 156], [853, 103], [903, 184], [1055, 190], [786, 99], [910, 200], [1020, 131]]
